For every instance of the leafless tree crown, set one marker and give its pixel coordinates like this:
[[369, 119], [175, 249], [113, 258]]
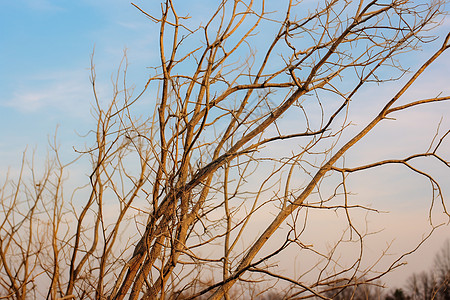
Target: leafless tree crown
[[251, 122]]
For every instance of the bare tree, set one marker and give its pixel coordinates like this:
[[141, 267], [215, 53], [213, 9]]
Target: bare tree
[[172, 194], [422, 286], [397, 294], [434, 283], [442, 269]]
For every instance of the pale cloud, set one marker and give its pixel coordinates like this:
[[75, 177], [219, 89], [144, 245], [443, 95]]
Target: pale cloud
[[43, 5], [67, 91], [130, 25]]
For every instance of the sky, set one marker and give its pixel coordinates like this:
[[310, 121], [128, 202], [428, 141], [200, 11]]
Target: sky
[[46, 48]]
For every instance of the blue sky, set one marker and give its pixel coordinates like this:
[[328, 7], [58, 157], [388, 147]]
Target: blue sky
[[44, 74], [46, 48]]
